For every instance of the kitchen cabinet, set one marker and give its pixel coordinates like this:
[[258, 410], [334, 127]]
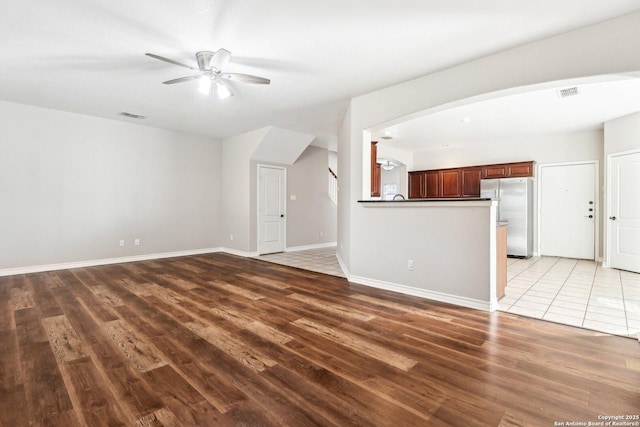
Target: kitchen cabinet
[[417, 185], [428, 184], [450, 183], [508, 170], [471, 181], [462, 182], [432, 184]]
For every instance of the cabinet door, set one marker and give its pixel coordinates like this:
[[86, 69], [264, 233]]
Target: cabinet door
[[522, 169], [416, 185], [494, 171], [432, 184], [450, 179], [471, 182]]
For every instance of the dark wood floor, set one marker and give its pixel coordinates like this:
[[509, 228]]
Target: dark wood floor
[[222, 340]]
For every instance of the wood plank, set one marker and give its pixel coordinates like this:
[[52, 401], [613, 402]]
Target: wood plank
[[237, 290], [349, 340], [259, 328], [142, 355], [63, 338], [22, 298], [332, 307], [46, 394], [189, 407], [234, 347], [97, 406]]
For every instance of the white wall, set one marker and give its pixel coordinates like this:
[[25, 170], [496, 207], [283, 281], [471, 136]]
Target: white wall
[[312, 212], [622, 134], [557, 148], [238, 195], [73, 186], [606, 48]]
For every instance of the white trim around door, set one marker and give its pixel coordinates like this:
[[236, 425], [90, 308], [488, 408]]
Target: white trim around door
[[557, 171], [271, 219], [623, 211]]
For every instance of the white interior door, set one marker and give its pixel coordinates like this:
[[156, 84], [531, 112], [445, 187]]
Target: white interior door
[[271, 209], [624, 211], [568, 210]]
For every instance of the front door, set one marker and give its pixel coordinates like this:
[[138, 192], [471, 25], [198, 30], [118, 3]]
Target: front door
[[271, 209], [624, 211], [568, 210]]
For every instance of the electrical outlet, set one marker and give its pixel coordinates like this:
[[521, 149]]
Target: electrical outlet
[[136, 242], [121, 243], [321, 234], [231, 237], [410, 265]]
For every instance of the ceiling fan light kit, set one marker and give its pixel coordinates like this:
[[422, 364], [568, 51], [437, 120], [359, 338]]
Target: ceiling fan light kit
[[210, 66]]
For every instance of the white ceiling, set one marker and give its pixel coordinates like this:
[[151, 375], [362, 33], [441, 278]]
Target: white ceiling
[[514, 117], [87, 56]]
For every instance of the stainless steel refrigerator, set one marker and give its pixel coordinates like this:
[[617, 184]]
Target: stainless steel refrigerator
[[515, 207]]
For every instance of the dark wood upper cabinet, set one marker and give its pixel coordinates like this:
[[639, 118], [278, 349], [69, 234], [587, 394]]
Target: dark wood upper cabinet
[[522, 169], [450, 183], [416, 185], [494, 171], [508, 170], [471, 182], [461, 182], [431, 184]]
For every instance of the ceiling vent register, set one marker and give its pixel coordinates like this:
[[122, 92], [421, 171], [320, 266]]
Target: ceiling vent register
[[570, 91]]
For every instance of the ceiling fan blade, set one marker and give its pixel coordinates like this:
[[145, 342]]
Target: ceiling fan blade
[[170, 61], [245, 78], [220, 59], [182, 79]]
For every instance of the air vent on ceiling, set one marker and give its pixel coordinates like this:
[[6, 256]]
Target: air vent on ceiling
[[570, 91], [131, 115]]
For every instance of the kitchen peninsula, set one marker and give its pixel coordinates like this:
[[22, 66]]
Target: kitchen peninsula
[[441, 249]]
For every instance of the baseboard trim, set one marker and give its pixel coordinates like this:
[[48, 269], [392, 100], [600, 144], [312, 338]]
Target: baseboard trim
[[308, 247], [424, 293], [239, 253], [107, 261]]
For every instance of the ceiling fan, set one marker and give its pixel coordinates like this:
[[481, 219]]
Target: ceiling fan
[[210, 73]]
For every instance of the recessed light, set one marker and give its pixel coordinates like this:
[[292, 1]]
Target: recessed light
[[131, 115], [466, 120]]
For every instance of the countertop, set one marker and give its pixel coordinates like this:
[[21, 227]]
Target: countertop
[[457, 199]]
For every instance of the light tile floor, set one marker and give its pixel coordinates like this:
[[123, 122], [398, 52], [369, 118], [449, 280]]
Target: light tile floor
[[574, 292], [321, 260], [568, 291]]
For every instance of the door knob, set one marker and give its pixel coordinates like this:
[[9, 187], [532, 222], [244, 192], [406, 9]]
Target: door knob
[[590, 216], [590, 203], [612, 218]]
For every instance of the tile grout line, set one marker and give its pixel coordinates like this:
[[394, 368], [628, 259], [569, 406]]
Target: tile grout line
[[563, 283], [534, 283], [586, 309]]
